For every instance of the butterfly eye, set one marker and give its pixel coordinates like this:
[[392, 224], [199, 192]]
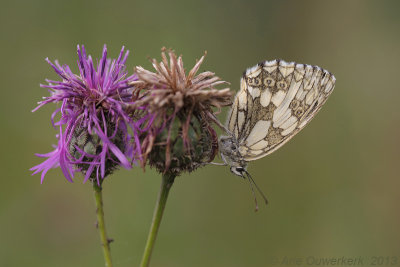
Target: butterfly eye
[[233, 147], [239, 169]]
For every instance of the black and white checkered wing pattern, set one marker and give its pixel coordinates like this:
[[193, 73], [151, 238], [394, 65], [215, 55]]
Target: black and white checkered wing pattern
[[276, 100]]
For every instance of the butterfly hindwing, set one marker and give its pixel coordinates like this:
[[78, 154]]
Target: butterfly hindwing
[[275, 101]]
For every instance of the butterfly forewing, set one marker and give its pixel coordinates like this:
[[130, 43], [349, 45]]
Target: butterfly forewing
[[276, 100]]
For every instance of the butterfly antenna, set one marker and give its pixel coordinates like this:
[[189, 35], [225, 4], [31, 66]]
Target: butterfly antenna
[[258, 189], [252, 189]]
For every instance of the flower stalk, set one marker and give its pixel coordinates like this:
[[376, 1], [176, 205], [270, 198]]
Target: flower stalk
[[166, 184], [105, 241]]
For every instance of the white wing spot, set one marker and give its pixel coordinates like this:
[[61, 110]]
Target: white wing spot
[[260, 145], [299, 72], [278, 120], [240, 119], [242, 98], [258, 132], [289, 130], [270, 66], [255, 92], [265, 98], [299, 94], [286, 68], [278, 97], [311, 96], [289, 122], [256, 152]]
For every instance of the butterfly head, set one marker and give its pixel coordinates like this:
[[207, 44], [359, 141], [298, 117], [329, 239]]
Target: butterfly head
[[230, 154], [239, 171]]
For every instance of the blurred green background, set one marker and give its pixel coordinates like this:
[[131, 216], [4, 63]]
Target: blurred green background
[[333, 189]]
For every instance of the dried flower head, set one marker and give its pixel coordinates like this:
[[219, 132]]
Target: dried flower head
[[180, 136], [94, 135]]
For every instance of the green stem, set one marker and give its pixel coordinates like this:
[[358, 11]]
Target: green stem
[[105, 242], [166, 184]]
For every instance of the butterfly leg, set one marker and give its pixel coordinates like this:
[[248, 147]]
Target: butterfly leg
[[216, 121], [217, 163]]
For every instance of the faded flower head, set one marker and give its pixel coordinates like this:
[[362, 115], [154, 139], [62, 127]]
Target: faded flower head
[[180, 136], [94, 128]]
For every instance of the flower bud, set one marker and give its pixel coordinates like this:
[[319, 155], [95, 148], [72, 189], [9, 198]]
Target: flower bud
[[180, 137], [84, 148], [170, 152]]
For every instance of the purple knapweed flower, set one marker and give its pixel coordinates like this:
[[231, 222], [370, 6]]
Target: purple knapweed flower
[[95, 131]]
